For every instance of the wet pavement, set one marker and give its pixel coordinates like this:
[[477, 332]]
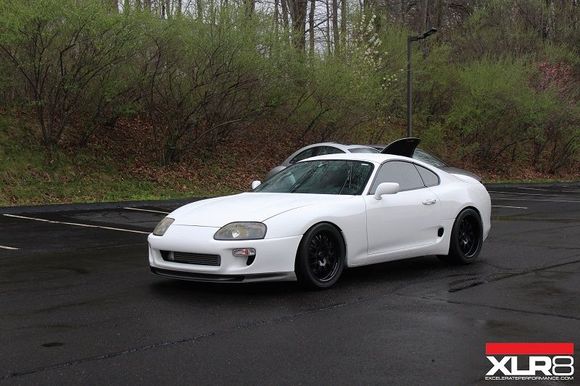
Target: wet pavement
[[79, 305]]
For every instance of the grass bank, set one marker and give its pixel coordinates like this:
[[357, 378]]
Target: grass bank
[[27, 176], [114, 171]]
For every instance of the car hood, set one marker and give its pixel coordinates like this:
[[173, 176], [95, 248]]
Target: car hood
[[217, 212]]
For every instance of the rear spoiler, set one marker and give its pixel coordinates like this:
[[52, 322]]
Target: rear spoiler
[[404, 147]]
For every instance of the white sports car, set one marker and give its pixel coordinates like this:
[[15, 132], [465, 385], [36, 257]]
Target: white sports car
[[323, 214]]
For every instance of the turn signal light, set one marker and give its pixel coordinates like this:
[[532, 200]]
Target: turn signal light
[[244, 252]]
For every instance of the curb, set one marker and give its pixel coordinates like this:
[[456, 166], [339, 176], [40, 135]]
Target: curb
[[78, 207], [82, 207]]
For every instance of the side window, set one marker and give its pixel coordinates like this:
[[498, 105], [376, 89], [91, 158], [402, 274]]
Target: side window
[[429, 178], [363, 150], [323, 150], [305, 154], [404, 173]]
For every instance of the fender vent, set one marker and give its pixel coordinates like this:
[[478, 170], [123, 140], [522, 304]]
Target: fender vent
[[440, 232]]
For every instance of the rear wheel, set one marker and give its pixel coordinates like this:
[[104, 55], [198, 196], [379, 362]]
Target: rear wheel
[[320, 257], [466, 238]]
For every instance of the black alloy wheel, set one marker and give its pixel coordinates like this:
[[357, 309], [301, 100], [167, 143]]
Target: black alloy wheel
[[466, 238], [320, 258]]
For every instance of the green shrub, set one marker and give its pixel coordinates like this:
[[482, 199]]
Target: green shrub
[[64, 54]]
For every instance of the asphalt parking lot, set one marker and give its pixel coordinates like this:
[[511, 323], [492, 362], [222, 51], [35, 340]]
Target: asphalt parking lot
[[79, 305]]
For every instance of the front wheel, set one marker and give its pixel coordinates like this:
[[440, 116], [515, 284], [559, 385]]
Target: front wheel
[[466, 238], [320, 257]]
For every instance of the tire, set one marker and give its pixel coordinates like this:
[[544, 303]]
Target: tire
[[320, 259], [466, 238]]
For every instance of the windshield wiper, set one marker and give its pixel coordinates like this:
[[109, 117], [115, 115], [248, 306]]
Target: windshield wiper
[[304, 178], [347, 180]]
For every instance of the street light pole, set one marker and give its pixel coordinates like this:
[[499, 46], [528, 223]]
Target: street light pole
[[410, 40]]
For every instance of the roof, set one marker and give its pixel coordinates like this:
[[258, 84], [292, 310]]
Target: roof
[[376, 158]]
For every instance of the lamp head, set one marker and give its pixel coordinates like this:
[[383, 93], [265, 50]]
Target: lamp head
[[428, 33]]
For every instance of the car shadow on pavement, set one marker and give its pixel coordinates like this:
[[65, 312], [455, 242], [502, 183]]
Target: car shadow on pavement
[[397, 272]]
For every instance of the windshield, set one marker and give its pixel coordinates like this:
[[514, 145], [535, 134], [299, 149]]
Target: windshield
[[320, 177]]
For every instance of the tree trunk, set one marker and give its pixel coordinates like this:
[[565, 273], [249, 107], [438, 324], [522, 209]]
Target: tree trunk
[[284, 4], [550, 26], [276, 15], [249, 7], [343, 21], [298, 10], [311, 25], [328, 43], [425, 16], [335, 27], [199, 6], [425, 25], [439, 15]]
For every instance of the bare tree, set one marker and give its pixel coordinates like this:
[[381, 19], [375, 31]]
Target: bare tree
[[335, 31], [311, 27], [298, 10], [328, 16], [276, 15], [62, 66], [550, 24], [425, 15], [199, 8], [249, 6], [285, 13], [343, 23]]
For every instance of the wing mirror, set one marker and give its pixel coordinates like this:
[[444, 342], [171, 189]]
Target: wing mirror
[[255, 184], [386, 188]]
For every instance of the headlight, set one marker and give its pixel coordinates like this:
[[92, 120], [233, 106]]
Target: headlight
[[163, 225], [241, 231]]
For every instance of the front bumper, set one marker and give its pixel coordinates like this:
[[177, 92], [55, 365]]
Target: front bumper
[[274, 258], [208, 278]]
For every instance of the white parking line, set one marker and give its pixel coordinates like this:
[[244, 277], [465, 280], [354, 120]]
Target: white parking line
[[509, 207], [524, 194], [76, 224], [532, 200], [145, 210], [530, 188], [9, 248]]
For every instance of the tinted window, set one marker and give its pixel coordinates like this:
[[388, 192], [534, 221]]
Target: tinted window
[[403, 173], [428, 158], [429, 178], [303, 155], [320, 177], [314, 151], [323, 150], [363, 150]]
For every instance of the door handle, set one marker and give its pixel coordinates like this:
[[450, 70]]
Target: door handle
[[431, 201]]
